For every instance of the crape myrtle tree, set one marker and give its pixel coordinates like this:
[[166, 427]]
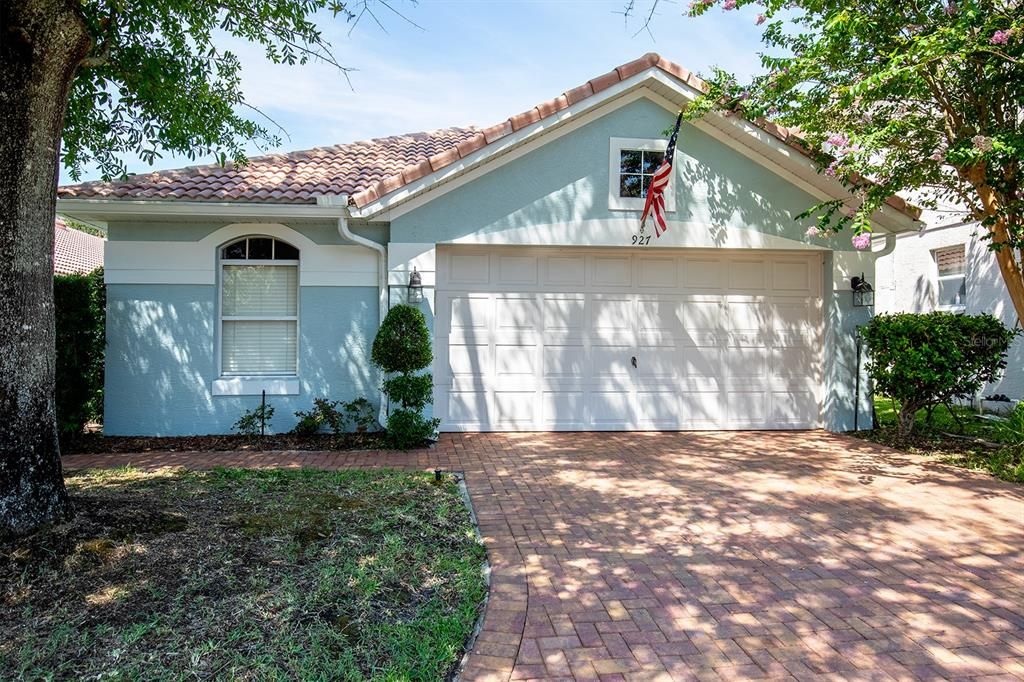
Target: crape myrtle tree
[[915, 96], [86, 82]]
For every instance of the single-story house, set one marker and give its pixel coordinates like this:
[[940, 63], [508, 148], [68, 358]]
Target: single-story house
[[949, 266], [549, 308], [75, 252]]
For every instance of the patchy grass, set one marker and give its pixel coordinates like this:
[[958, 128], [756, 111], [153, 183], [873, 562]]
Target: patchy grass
[[244, 574], [981, 444], [97, 443]]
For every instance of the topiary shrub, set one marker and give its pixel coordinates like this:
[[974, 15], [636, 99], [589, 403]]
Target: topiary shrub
[[80, 311], [402, 348], [928, 359]]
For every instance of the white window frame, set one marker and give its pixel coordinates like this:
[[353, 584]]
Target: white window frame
[[615, 148], [228, 384], [940, 278]]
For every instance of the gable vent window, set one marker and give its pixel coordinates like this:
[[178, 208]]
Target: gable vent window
[[259, 307], [631, 165], [636, 168], [952, 282]]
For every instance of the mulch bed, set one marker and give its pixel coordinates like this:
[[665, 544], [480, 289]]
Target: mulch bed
[[97, 443]]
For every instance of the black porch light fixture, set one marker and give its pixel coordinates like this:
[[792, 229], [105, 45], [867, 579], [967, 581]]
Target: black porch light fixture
[[863, 292], [415, 286]]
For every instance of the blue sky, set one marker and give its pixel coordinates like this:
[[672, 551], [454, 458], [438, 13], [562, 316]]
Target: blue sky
[[474, 62]]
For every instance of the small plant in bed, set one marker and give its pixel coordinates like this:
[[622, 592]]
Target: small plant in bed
[[241, 574]]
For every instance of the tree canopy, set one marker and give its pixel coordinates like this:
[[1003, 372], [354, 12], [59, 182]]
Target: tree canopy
[[921, 97], [157, 78]]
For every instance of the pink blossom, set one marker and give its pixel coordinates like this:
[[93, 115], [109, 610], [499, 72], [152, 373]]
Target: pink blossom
[[832, 170], [838, 140], [1000, 37], [729, 4], [761, 19], [861, 241], [812, 232], [982, 143]]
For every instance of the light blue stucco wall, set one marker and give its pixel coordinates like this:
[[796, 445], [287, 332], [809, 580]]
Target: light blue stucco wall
[[566, 181], [161, 358]]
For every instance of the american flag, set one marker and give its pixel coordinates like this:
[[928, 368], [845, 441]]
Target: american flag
[[659, 183]]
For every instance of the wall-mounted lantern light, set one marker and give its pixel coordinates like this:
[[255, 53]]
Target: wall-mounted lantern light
[[415, 287], [863, 292]]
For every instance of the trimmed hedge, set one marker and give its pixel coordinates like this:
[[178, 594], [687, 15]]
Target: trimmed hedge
[[402, 348], [80, 310]]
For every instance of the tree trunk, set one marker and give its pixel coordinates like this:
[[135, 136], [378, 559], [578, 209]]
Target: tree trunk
[[1013, 276], [41, 44], [906, 419]]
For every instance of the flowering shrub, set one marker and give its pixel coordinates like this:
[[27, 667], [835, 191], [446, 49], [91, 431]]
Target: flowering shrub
[[923, 360]]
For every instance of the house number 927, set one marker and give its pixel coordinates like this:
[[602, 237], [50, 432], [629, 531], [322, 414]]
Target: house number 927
[[641, 239]]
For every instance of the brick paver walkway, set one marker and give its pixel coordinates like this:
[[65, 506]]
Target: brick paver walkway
[[724, 555]]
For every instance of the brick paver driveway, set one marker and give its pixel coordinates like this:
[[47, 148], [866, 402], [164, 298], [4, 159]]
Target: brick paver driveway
[[725, 555]]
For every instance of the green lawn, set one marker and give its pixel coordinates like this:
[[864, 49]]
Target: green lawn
[[981, 444], [240, 574]]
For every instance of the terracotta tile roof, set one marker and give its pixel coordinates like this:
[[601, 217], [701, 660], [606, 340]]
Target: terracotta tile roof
[[297, 177], [543, 110], [74, 251], [369, 170]]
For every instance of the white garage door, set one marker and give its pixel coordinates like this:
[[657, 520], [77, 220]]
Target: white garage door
[[539, 339]]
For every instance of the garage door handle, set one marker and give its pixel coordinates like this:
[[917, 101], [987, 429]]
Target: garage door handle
[[633, 360]]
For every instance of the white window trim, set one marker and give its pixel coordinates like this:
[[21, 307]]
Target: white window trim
[[950, 308], [255, 385], [240, 384], [615, 147]]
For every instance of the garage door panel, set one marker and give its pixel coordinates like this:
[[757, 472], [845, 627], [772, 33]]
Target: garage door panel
[[564, 360], [515, 360], [701, 408], [515, 408], [611, 408], [793, 407], [564, 314], [563, 409], [471, 360], [703, 361], [611, 361], [467, 407], [747, 409], [746, 362], [721, 341], [470, 313], [657, 408], [514, 313]]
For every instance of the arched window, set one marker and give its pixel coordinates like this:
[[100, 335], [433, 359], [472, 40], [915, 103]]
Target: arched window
[[259, 307]]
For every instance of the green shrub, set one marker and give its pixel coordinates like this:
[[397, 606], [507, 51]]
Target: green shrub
[[1011, 431], [254, 422], [927, 359], [402, 343], [360, 414], [409, 428], [80, 305], [338, 417], [402, 348]]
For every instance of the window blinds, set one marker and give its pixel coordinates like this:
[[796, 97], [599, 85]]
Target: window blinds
[[259, 309]]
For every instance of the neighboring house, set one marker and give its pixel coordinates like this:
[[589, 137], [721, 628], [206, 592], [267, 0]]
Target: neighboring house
[[548, 308], [75, 252], [949, 266]]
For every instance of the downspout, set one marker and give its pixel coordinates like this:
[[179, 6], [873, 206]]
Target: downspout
[[341, 201]]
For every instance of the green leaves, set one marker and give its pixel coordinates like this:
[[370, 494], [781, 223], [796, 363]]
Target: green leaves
[[157, 79], [910, 85], [934, 358]]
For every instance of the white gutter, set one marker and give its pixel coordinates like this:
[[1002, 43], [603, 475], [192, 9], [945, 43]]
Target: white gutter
[[341, 201]]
